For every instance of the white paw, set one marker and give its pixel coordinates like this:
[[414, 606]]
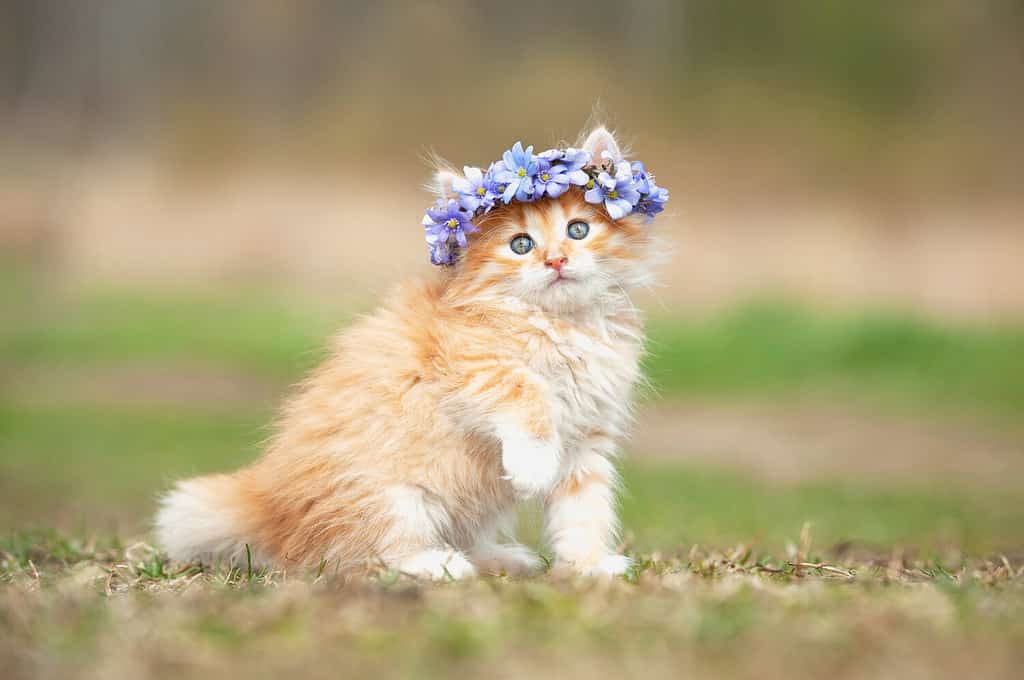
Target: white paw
[[610, 565], [511, 559], [437, 565], [531, 465]]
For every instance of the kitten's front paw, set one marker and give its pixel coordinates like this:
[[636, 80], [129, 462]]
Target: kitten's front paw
[[531, 465], [437, 565], [508, 558], [607, 566]]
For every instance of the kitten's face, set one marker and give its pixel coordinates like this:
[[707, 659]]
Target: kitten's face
[[562, 254]]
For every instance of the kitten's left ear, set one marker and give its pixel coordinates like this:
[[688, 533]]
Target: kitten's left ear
[[443, 180], [601, 144]]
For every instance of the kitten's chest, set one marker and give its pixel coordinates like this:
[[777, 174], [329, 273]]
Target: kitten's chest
[[591, 367]]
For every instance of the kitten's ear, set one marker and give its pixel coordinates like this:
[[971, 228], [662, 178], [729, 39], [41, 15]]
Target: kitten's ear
[[443, 180], [599, 141]]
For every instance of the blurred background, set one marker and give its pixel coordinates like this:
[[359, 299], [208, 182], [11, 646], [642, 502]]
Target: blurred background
[[194, 195]]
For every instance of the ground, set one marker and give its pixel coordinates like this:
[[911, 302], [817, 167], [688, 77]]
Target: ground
[[74, 610], [806, 493]]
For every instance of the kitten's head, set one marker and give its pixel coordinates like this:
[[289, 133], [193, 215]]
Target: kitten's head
[[563, 254]]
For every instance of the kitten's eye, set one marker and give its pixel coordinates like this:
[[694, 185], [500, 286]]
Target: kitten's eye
[[521, 244], [578, 230]]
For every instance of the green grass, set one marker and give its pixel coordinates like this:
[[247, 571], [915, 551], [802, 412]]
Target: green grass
[[100, 467], [101, 464], [768, 349], [670, 505], [93, 466], [257, 332], [756, 350]]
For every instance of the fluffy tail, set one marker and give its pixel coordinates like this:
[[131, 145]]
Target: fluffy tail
[[202, 519]]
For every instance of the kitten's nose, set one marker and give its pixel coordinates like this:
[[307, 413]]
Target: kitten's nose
[[556, 263]]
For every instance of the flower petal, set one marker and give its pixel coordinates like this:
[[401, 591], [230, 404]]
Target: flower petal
[[556, 189], [617, 208], [579, 177], [630, 194], [510, 190], [526, 191], [462, 185]]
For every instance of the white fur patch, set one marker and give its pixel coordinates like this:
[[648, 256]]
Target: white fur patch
[[414, 512], [193, 525], [582, 526], [417, 521], [513, 559], [610, 565], [532, 465], [437, 565]]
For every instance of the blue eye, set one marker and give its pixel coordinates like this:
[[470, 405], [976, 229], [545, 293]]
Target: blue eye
[[578, 230], [521, 244]]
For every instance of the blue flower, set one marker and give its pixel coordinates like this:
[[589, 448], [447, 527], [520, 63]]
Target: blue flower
[[443, 224], [516, 172], [475, 190], [644, 180], [621, 187], [654, 202], [551, 180], [441, 254], [491, 181], [652, 197], [552, 155], [573, 160], [619, 193]]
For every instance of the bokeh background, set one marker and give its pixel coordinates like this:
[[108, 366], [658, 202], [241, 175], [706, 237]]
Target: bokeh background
[[194, 195]]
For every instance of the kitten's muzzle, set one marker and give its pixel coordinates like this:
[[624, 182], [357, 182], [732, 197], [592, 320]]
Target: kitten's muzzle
[[556, 263]]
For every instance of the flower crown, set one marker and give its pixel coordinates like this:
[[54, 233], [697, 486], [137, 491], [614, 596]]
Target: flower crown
[[521, 175]]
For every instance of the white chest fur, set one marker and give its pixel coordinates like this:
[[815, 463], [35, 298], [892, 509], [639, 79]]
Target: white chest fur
[[591, 365]]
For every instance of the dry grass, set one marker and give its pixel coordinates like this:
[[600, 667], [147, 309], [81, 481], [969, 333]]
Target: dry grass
[[75, 609]]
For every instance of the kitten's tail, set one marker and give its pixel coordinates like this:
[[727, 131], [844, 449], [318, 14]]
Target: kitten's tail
[[203, 519]]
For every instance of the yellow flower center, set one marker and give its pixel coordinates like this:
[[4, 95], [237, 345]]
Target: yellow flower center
[[545, 176], [480, 191], [521, 172], [590, 184], [452, 223], [613, 194]]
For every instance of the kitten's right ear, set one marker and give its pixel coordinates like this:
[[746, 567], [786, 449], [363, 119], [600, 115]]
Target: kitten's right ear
[[443, 180], [601, 144]]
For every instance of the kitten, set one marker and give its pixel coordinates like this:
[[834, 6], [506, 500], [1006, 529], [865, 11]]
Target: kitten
[[508, 377]]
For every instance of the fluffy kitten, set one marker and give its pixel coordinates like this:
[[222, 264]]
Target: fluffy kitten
[[508, 377]]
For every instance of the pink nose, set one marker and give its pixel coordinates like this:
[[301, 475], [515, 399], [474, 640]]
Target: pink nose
[[556, 263]]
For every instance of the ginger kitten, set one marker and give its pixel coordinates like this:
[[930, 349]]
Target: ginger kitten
[[507, 377]]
